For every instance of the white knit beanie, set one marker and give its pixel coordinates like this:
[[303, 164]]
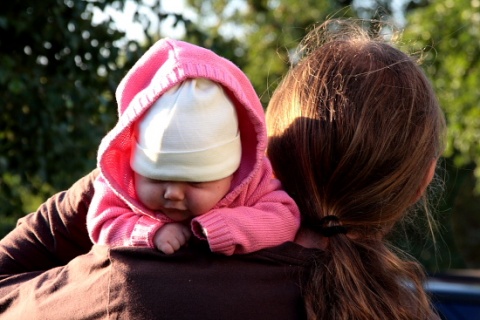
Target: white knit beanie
[[189, 134]]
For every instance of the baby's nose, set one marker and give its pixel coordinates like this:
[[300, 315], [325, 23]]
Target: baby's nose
[[174, 191]]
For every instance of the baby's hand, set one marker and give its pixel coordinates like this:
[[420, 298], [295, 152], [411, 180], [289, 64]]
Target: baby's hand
[[171, 237]]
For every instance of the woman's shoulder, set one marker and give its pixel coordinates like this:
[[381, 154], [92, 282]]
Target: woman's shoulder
[[261, 285], [142, 283]]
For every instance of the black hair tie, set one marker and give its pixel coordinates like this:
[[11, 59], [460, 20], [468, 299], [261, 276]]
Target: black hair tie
[[330, 226]]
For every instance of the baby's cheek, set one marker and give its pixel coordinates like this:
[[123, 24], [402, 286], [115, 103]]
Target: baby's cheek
[[196, 208], [149, 196], [206, 204]]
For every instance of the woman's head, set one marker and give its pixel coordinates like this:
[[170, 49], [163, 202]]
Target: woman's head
[[354, 131], [354, 128]]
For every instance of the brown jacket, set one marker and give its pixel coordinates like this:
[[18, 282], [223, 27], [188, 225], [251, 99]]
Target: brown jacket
[[137, 283]]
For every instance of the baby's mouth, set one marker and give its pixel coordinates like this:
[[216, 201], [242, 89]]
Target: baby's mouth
[[176, 214]]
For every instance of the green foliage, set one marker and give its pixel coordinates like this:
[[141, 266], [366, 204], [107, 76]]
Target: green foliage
[[448, 30], [58, 79], [446, 33], [55, 102]]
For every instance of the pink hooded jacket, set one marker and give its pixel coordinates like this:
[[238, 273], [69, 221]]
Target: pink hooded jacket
[[255, 214]]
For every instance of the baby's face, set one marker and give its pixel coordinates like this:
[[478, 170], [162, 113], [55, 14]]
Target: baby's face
[[179, 200]]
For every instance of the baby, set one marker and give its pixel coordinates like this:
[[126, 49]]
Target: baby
[[187, 156]]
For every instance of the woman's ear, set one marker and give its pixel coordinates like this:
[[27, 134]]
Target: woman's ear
[[426, 181]]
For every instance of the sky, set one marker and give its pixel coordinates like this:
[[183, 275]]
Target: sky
[[134, 30]]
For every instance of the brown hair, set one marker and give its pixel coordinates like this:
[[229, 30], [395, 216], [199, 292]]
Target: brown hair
[[353, 129]]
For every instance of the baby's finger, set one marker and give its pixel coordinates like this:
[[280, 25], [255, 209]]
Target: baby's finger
[[166, 248], [185, 235]]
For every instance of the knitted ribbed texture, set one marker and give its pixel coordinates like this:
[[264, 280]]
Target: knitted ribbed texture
[[255, 214]]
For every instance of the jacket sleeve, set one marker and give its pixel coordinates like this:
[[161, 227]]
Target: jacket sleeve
[[261, 216], [112, 222], [51, 236], [77, 290]]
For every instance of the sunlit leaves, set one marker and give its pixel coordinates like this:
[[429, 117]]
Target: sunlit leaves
[[450, 31]]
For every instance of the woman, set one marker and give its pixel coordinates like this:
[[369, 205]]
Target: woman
[[355, 132], [358, 121]]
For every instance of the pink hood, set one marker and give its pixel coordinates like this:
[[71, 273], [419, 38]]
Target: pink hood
[[165, 64]]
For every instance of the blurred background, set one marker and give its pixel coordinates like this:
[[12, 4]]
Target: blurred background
[[61, 61]]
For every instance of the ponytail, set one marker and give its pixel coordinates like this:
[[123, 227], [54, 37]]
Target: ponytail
[[359, 280]]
